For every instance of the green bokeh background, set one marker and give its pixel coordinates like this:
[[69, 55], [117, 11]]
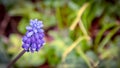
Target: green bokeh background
[[98, 27]]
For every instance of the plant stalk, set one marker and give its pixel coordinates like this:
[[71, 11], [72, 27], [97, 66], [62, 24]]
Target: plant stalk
[[15, 59]]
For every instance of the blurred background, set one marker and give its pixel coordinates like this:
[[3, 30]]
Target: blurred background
[[78, 33]]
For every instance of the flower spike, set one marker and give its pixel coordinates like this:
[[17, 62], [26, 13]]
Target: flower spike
[[33, 40]]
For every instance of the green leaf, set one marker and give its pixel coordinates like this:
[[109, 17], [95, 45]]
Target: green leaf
[[32, 59], [108, 37], [16, 43], [22, 25], [100, 33]]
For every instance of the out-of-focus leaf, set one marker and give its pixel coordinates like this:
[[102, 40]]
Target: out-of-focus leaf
[[110, 63], [23, 9], [34, 15], [116, 41], [3, 65], [58, 3], [22, 25], [49, 20], [3, 54], [59, 17], [92, 55], [109, 52], [73, 61], [108, 37], [15, 45], [92, 11], [99, 36], [72, 46], [9, 3], [83, 55], [85, 44], [15, 40], [32, 59], [57, 47], [79, 14], [73, 5]]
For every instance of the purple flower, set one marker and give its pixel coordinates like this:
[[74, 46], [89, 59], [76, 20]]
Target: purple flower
[[33, 40]]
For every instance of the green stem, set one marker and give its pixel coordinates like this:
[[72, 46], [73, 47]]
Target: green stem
[[15, 59]]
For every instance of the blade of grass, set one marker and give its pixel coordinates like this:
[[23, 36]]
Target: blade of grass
[[79, 14], [99, 36], [83, 28], [82, 54], [107, 38], [59, 17], [72, 46], [109, 53]]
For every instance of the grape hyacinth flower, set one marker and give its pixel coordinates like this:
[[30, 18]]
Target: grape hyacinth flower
[[32, 41]]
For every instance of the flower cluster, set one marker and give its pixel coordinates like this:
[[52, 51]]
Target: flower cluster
[[33, 40]]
